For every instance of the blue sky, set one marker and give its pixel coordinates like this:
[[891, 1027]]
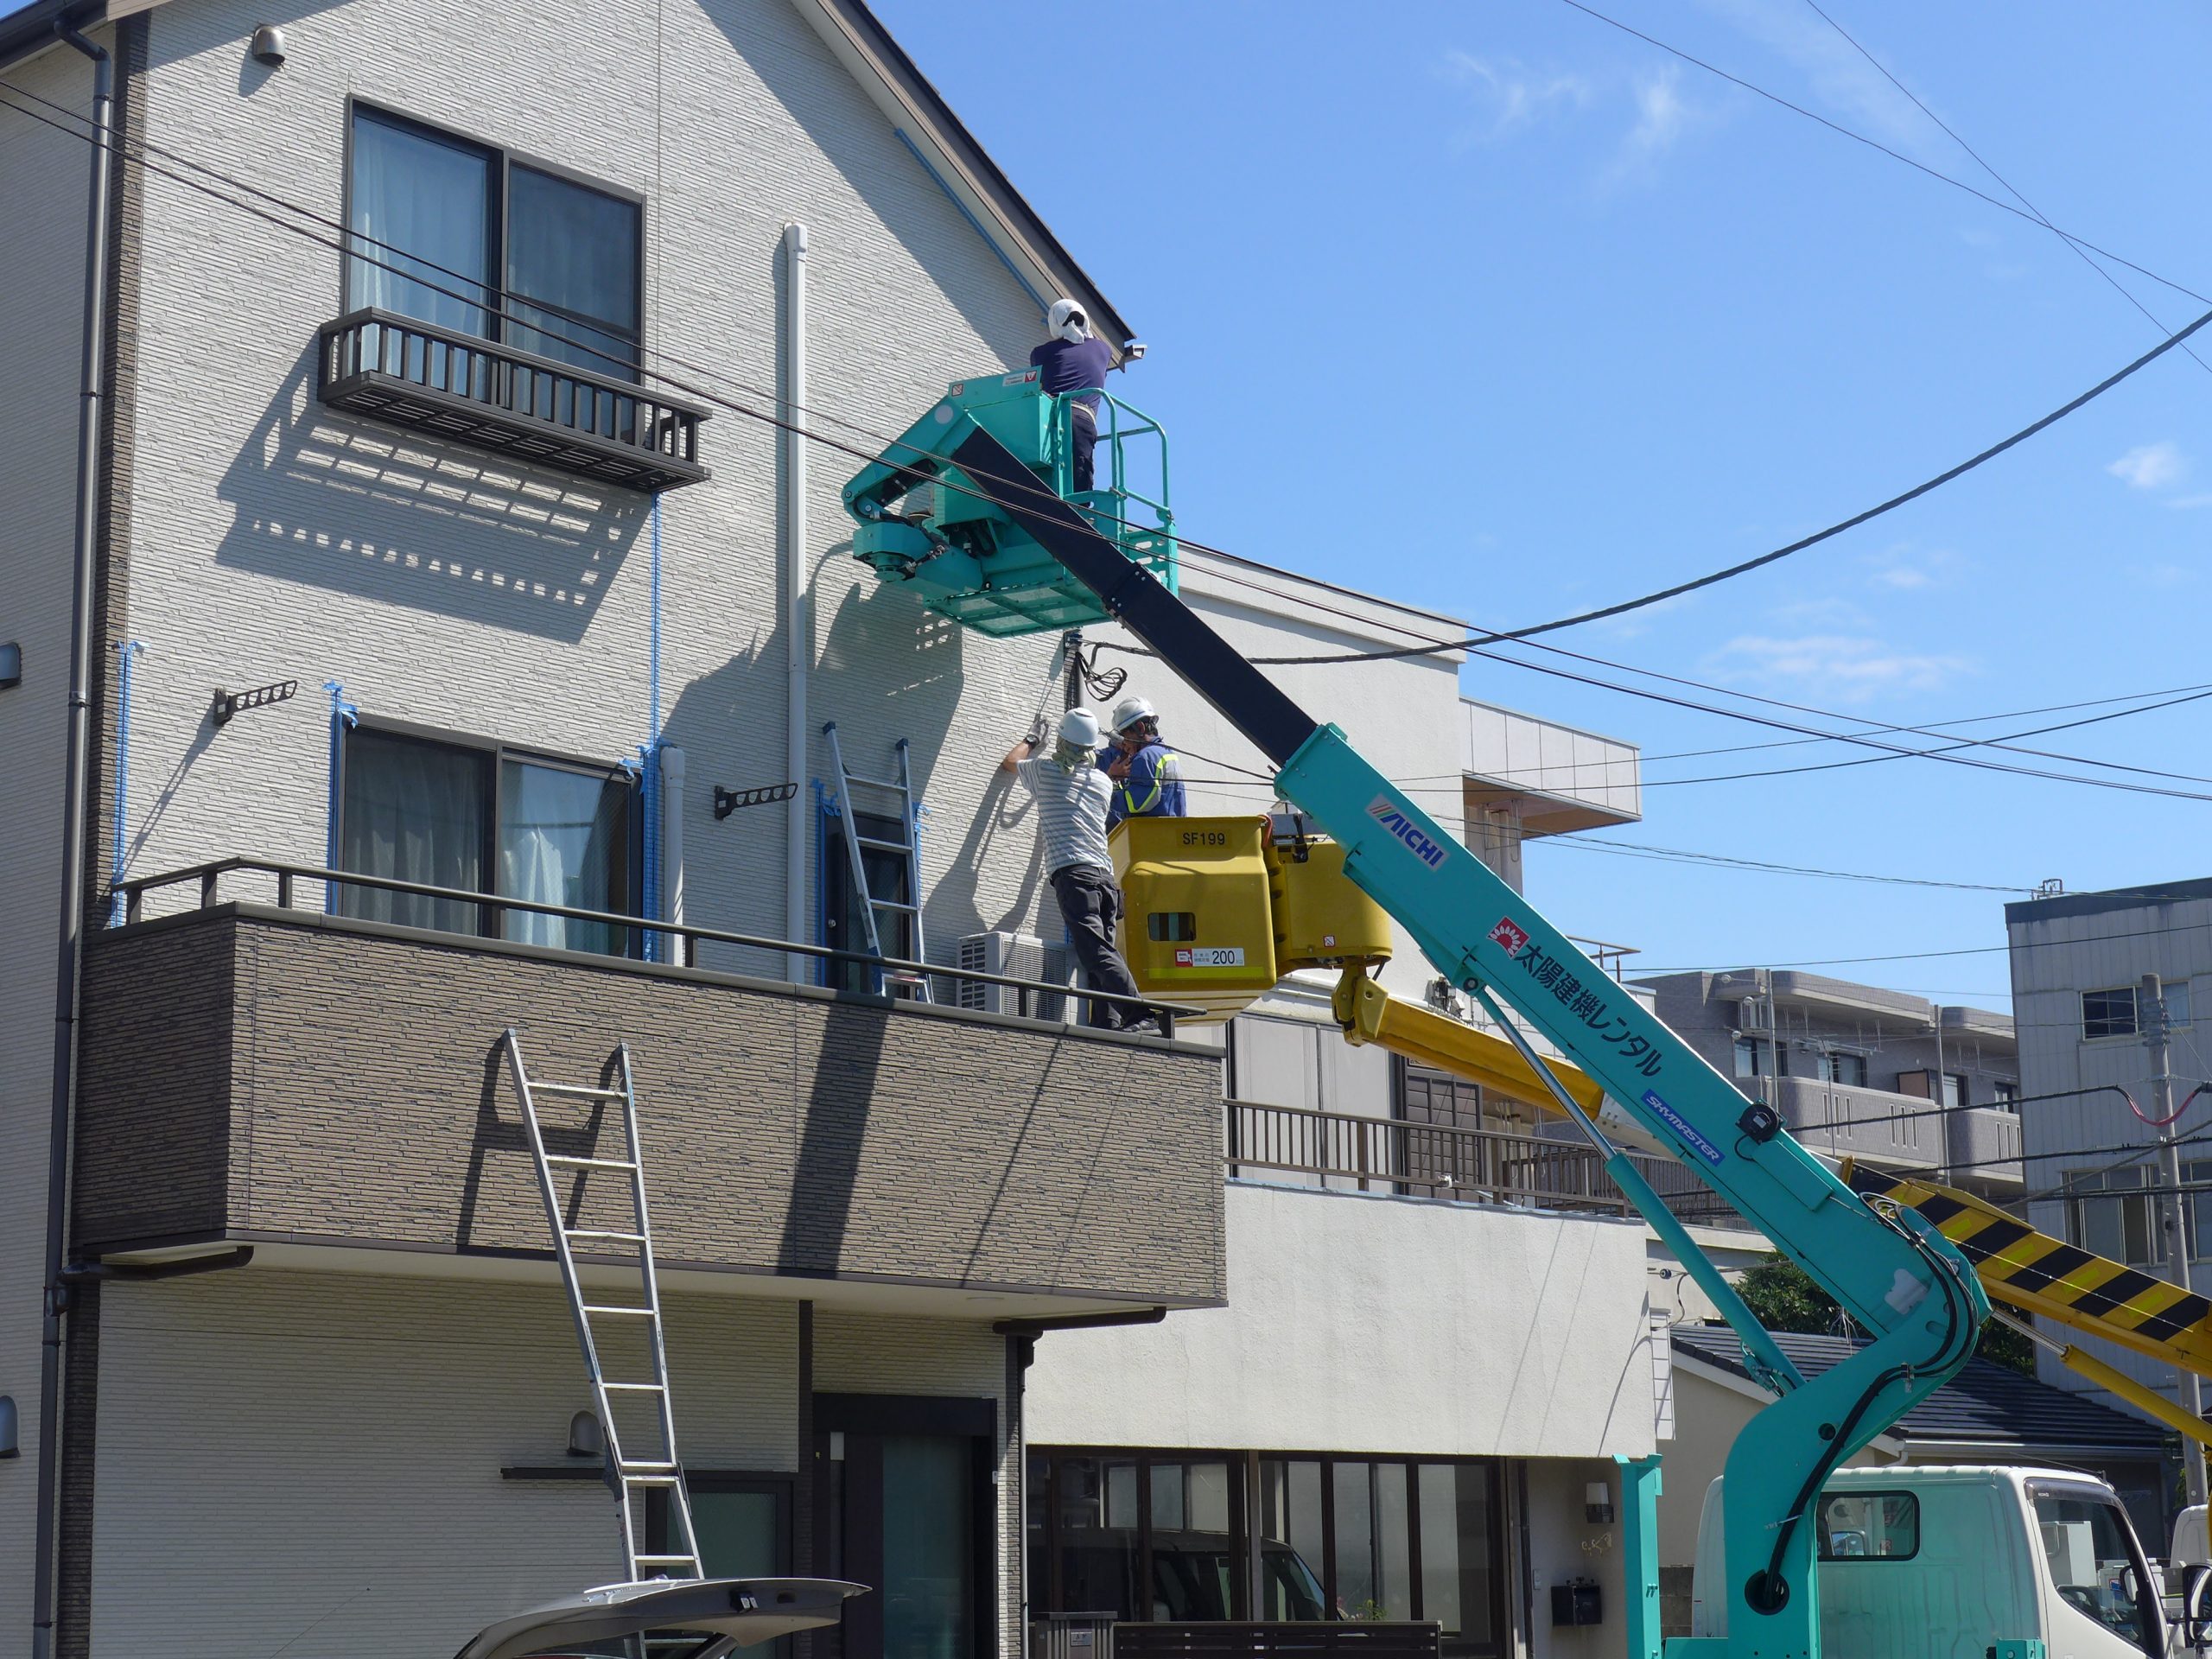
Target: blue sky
[[1494, 307]]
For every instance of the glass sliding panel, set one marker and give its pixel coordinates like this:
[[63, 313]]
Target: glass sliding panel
[[572, 267], [887, 875], [928, 1593], [431, 197], [741, 1534], [414, 812], [564, 839], [1194, 1564], [1353, 1485], [1458, 1584], [1098, 1557], [1392, 1542], [1291, 1551]]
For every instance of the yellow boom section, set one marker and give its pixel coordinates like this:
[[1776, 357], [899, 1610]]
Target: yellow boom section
[[1369, 1013]]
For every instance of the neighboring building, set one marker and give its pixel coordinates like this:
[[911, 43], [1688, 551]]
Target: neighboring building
[[531, 631], [2086, 1065], [1858, 1072], [1987, 1414]]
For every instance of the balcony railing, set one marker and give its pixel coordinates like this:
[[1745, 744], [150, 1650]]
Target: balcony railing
[[512, 403], [1380, 1154], [1321, 1639]]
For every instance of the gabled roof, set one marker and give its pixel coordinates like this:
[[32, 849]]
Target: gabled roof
[[1985, 1404], [917, 112]]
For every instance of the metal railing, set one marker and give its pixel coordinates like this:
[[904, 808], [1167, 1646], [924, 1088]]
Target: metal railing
[[491, 907], [477, 392], [1358, 1638], [1385, 1154]]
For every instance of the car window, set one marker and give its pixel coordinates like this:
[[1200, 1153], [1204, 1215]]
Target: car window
[[1883, 1526], [2093, 1563]]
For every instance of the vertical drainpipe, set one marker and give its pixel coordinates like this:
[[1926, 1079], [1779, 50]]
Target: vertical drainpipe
[[798, 633], [74, 790]]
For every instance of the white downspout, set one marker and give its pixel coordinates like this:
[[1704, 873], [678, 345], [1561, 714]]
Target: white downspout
[[672, 849], [798, 631]]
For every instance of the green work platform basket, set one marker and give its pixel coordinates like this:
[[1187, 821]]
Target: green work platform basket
[[923, 523]]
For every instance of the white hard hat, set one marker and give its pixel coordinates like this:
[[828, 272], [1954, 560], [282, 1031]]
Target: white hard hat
[[1069, 321], [1128, 711], [1080, 729]]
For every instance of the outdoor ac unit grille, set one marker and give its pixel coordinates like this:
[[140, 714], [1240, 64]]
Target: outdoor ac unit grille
[[1019, 957]]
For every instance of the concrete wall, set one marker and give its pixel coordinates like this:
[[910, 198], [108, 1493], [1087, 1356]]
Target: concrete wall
[[1382, 1325], [1563, 1546], [311, 1463], [344, 1085], [42, 179]]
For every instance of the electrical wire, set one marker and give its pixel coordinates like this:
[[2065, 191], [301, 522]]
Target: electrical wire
[[1925, 955], [1028, 484], [2040, 217]]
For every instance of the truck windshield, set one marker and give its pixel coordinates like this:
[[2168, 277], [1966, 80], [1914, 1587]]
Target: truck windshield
[[2094, 1566]]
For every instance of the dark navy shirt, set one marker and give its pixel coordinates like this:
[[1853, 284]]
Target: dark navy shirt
[[1154, 788], [1069, 364]]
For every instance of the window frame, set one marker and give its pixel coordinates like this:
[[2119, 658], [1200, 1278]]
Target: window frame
[[2134, 1015], [2134, 1195], [834, 865], [491, 911], [1821, 1529], [499, 296]]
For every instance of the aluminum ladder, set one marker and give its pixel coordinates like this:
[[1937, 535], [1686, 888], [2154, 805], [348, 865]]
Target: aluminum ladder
[[857, 845], [633, 1476]]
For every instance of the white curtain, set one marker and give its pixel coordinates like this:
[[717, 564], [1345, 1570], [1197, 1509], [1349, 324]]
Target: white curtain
[[415, 812], [562, 841], [432, 199]]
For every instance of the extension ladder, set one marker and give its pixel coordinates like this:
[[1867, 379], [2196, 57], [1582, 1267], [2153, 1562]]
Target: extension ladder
[[857, 845], [632, 1476]]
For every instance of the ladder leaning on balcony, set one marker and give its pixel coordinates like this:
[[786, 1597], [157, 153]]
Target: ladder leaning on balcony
[[908, 849], [632, 1475]]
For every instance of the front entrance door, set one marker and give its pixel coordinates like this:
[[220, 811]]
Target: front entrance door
[[905, 1503]]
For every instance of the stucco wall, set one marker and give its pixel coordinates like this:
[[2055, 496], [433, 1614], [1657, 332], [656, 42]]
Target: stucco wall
[[311, 1463], [1363, 1323]]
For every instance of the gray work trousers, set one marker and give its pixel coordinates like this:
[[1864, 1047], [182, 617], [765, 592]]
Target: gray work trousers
[[1091, 905]]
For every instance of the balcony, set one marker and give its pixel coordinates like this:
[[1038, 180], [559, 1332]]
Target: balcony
[[515, 403], [1435, 1160], [325, 1088], [1980, 1143]]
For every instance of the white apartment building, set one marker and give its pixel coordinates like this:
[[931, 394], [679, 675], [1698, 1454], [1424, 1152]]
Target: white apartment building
[[532, 631]]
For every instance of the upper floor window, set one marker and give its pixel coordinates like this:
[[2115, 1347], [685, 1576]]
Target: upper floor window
[[479, 818], [2004, 1095], [2109, 1014], [1755, 1056], [474, 231], [2112, 1214], [1837, 1067]]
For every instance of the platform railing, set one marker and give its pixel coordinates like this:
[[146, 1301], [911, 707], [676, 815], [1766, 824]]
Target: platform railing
[[287, 878]]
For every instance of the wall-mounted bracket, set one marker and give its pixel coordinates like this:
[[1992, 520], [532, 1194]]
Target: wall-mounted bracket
[[230, 703], [727, 801]]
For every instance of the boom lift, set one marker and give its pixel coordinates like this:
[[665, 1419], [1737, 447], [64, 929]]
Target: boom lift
[[1897, 1276]]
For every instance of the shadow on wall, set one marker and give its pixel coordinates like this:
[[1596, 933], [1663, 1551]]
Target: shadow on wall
[[831, 1137], [326, 499]]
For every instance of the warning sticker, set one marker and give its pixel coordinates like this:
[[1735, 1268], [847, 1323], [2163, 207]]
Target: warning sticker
[[1509, 936], [1211, 955]]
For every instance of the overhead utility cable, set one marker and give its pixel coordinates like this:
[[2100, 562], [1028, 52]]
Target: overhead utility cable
[[1028, 484], [2039, 216]]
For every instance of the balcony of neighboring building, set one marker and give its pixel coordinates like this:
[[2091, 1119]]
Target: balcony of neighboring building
[[331, 1090], [1523, 776]]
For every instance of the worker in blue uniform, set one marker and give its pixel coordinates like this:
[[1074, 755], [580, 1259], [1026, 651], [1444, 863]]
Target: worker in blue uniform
[[1074, 360], [1146, 775]]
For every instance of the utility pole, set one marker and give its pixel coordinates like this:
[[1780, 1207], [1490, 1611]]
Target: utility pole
[[2151, 1020]]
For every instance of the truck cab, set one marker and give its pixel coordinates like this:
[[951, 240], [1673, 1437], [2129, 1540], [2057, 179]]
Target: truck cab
[[1965, 1563]]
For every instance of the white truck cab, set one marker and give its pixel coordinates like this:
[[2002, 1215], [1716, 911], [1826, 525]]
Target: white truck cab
[[1967, 1563]]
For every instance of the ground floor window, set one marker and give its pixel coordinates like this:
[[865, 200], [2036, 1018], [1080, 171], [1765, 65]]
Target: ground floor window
[[1188, 1537]]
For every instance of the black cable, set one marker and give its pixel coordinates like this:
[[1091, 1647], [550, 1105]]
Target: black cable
[[2040, 217], [1924, 955]]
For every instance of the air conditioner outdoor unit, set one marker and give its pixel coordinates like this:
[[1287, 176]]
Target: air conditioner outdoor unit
[[1017, 956]]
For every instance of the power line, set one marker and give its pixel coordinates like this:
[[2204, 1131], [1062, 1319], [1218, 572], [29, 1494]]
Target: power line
[[1029, 484], [1927, 956], [1678, 854], [2040, 217]]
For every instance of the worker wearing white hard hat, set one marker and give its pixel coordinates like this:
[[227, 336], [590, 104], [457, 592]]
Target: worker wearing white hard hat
[[1074, 360], [1073, 797], [1147, 775]]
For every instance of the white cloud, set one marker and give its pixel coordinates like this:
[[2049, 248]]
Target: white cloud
[[1509, 94], [2151, 466], [1845, 668], [1839, 76], [1660, 112], [1909, 569], [2190, 501]]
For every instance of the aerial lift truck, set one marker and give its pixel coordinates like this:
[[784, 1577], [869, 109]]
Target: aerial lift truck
[[972, 508]]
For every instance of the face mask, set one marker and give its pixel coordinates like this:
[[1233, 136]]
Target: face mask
[[1073, 330]]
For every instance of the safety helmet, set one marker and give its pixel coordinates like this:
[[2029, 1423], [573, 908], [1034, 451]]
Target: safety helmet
[[1128, 711], [1079, 728], [1068, 321]]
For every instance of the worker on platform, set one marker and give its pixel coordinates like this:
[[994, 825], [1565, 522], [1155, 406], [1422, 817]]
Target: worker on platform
[[1074, 360], [1072, 794], [1147, 775]]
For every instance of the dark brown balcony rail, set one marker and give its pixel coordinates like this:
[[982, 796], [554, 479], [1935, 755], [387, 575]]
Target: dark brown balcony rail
[[208, 879], [1384, 1154], [514, 403], [1357, 1639]]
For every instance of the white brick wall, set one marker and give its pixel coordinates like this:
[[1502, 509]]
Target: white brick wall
[[43, 176]]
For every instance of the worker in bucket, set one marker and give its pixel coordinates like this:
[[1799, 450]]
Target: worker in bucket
[[1074, 360], [1147, 775], [1072, 794]]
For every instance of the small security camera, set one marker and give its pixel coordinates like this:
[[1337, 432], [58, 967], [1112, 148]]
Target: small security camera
[[267, 46], [1133, 349]]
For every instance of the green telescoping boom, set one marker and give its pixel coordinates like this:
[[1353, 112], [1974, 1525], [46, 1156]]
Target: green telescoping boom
[[1900, 1280]]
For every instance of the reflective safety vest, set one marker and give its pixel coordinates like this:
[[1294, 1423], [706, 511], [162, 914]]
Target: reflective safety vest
[[1154, 788]]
